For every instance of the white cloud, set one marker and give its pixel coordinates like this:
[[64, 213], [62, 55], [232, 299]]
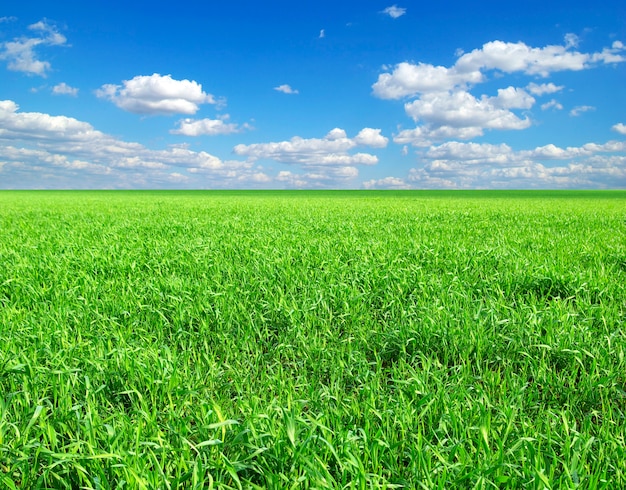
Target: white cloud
[[286, 89], [291, 179], [461, 109], [387, 183], [512, 98], [610, 55], [58, 151], [20, 53], [371, 137], [472, 165], [620, 128], [571, 40], [322, 34], [207, 127], [461, 115], [38, 126], [71, 149], [552, 104], [519, 57], [444, 107], [409, 79], [64, 89], [331, 150], [394, 11], [157, 94], [470, 153], [427, 134], [543, 88], [577, 111]]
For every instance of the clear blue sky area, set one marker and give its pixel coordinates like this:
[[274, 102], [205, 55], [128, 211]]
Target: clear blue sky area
[[343, 94]]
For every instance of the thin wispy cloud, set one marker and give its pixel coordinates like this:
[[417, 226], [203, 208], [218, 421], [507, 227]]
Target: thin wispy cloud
[[208, 127], [581, 109], [552, 104], [286, 89], [394, 11], [22, 54]]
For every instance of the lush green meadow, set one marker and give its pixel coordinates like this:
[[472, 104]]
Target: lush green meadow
[[165, 340]]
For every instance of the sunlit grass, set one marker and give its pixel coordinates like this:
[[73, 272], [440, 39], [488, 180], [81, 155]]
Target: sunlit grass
[[312, 340]]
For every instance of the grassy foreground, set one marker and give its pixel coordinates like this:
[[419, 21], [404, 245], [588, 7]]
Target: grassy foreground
[[312, 340]]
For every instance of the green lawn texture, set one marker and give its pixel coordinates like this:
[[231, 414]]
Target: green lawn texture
[[312, 340]]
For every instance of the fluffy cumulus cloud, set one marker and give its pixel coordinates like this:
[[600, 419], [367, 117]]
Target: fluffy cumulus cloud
[[157, 94], [71, 152], [442, 103], [408, 79], [459, 114], [286, 89], [208, 127], [394, 11], [21, 53]]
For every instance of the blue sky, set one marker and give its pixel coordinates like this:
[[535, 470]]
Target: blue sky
[[347, 95]]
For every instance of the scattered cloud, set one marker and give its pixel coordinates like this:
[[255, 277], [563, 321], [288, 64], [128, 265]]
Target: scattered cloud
[[387, 183], [21, 52], [552, 104], [66, 151], [571, 40], [445, 109], [371, 137], [543, 88], [64, 89], [208, 127], [157, 94], [619, 128], [519, 57], [322, 34], [73, 151], [457, 165], [469, 165], [394, 11], [459, 114], [286, 89], [577, 111], [331, 150], [409, 79], [323, 162]]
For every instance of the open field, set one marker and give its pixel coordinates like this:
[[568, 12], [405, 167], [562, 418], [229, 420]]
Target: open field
[[322, 340]]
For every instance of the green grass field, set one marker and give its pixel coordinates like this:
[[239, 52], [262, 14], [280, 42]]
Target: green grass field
[[165, 340]]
